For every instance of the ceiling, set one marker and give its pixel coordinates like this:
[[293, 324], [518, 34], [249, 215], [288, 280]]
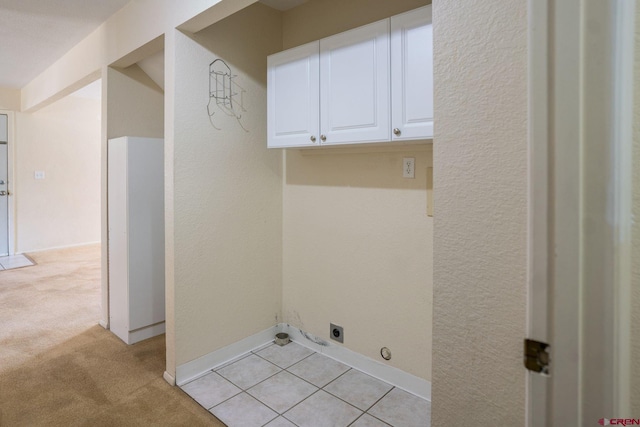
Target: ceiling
[[35, 33]]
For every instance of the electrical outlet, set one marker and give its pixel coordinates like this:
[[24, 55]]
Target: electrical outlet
[[336, 333], [38, 174], [409, 167]]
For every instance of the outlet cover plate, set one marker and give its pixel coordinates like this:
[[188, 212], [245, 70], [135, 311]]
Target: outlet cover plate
[[336, 333], [409, 167]]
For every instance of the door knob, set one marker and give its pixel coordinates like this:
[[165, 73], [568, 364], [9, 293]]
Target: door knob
[[2, 182], [396, 131], [3, 193]]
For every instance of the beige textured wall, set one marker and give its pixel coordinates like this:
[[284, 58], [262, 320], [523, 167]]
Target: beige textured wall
[[480, 238], [321, 18], [227, 191], [63, 140], [135, 104], [635, 242], [9, 99], [357, 240]]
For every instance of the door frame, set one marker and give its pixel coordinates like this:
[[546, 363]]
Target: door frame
[[538, 210], [625, 27], [554, 231], [580, 143], [11, 138]]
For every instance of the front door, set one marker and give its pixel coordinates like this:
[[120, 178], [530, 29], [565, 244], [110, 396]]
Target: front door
[[4, 188]]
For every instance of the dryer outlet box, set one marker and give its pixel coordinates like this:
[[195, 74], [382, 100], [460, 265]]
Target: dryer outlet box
[[336, 333]]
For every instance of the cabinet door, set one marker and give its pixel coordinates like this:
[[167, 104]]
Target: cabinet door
[[412, 75], [292, 97], [354, 85]]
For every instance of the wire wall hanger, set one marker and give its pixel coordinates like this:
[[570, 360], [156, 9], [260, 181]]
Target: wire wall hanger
[[224, 92]]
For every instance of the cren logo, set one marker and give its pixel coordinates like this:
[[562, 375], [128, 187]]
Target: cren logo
[[619, 422]]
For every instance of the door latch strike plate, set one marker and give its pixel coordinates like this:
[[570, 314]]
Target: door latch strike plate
[[536, 356]]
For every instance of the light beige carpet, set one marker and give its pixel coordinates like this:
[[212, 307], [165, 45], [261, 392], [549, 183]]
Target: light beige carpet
[[59, 368]]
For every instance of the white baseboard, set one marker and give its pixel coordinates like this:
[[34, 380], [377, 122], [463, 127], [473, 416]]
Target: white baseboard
[[200, 366], [104, 324], [132, 337], [394, 376], [147, 332], [169, 378]]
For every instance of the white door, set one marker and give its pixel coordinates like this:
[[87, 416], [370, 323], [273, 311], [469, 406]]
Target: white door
[[4, 189], [412, 75], [292, 97], [354, 85]]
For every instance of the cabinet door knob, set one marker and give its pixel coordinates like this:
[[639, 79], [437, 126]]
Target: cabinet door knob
[[322, 137], [313, 138], [396, 131]]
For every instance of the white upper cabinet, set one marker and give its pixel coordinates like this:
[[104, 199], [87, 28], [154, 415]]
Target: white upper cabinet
[[354, 85], [412, 75], [293, 97], [370, 84]]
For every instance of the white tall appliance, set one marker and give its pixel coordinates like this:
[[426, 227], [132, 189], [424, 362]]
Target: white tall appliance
[[4, 186], [136, 238]]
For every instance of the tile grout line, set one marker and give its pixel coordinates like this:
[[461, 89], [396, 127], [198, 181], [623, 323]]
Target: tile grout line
[[309, 382], [344, 401], [322, 389], [378, 401], [330, 394], [350, 404], [318, 389], [280, 370], [375, 418], [245, 389], [262, 403], [204, 407], [295, 363], [299, 404], [335, 379], [225, 379], [275, 410], [290, 373], [383, 396]]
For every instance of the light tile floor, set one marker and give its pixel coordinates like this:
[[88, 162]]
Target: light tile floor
[[293, 386], [14, 261]]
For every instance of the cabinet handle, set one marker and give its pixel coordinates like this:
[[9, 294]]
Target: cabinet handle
[[396, 131], [313, 138], [322, 137]]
